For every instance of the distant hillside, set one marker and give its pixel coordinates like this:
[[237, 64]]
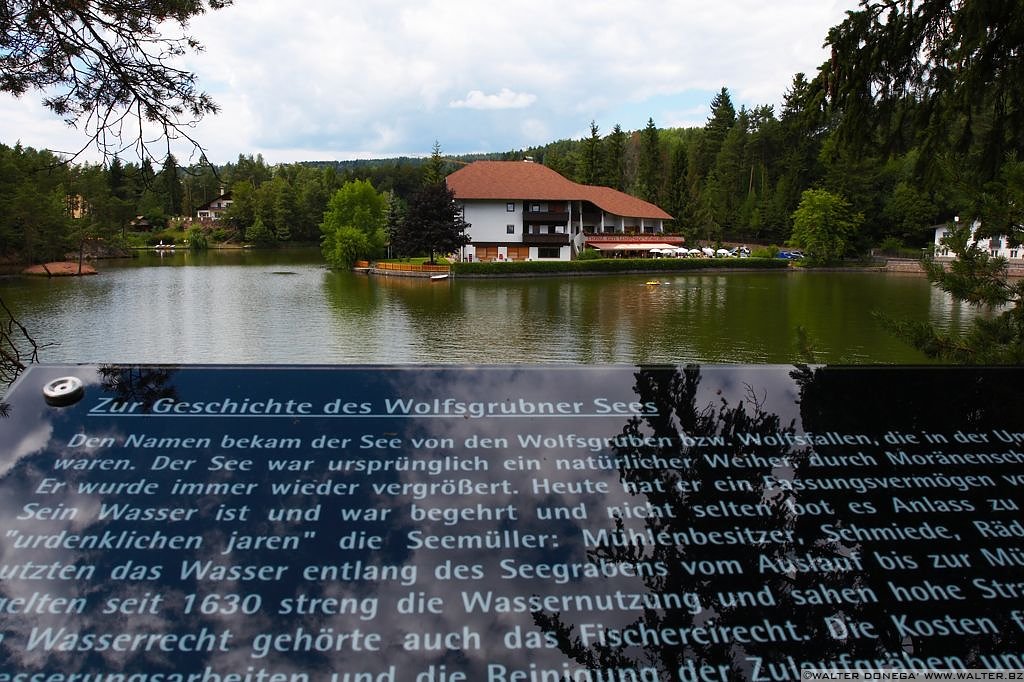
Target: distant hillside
[[413, 161]]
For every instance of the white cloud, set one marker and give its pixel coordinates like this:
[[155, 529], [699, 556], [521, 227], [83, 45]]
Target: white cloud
[[390, 77], [693, 117], [505, 99], [535, 131]]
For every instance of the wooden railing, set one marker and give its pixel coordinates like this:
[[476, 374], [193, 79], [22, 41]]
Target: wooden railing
[[413, 267]]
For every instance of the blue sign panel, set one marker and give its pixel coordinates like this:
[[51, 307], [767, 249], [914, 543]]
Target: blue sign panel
[[508, 524]]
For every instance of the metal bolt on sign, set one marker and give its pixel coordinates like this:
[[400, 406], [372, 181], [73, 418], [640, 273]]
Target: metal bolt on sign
[[64, 391]]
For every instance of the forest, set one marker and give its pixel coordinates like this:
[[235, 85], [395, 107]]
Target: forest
[[740, 177]]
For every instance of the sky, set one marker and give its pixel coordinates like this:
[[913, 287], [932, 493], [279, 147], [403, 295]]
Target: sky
[[334, 79]]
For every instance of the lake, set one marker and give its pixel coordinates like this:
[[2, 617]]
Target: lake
[[286, 307]]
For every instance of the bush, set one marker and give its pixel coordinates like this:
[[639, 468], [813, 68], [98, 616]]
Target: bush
[[162, 237], [765, 252], [223, 234], [197, 240], [894, 247], [611, 265], [259, 234], [891, 245], [590, 254]]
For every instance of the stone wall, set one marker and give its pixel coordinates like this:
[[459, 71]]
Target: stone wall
[[1014, 269]]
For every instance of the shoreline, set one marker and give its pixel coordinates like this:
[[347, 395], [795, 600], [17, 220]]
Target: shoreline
[[59, 269], [70, 268]]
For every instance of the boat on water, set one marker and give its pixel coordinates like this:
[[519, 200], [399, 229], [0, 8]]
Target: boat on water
[[443, 275]]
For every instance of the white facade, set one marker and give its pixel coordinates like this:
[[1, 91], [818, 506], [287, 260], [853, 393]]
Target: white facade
[[998, 246], [488, 219], [515, 230], [525, 211], [505, 230], [214, 209]]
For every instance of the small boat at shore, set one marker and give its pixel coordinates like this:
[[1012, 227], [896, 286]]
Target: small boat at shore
[[441, 276]]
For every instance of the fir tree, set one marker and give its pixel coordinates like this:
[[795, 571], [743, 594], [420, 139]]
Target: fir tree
[[650, 175], [589, 168], [433, 171], [433, 223], [613, 167]]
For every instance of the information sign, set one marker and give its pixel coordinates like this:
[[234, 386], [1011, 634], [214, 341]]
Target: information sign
[[508, 524]]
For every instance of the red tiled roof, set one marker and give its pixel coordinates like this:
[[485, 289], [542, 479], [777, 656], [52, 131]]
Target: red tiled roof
[[504, 180]]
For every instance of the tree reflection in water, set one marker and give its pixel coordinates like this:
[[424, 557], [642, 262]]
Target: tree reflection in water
[[142, 384], [823, 589]]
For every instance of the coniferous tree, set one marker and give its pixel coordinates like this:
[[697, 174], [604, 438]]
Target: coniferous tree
[[260, 234], [111, 69], [393, 221], [802, 127], [284, 209], [677, 201], [727, 180], [720, 122], [171, 186], [433, 223], [613, 167], [589, 167], [433, 171], [121, 204], [650, 168]]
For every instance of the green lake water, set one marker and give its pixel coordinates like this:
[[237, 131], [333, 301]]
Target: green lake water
[[286, 307]]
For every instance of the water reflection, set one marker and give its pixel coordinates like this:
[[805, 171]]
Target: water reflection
[[809, 546], [237, 307]]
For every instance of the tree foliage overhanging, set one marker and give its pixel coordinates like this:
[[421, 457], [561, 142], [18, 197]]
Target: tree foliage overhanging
[[945, 80], [107, 68]]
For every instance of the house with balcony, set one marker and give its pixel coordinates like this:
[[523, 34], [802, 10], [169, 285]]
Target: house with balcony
[[213, 210], [996, 246], [520, 210]]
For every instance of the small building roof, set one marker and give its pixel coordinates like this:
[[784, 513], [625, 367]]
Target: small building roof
[[226, 196], [504, 180]]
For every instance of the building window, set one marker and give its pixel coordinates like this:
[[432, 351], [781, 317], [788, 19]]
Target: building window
[[510, 207], [534, 208], [1013, 253], [510, 229], [548, 252]]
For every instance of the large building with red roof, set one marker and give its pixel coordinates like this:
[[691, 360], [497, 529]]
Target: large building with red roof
[[520, 210]]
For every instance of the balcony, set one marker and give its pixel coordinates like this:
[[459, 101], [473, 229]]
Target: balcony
[[546, 217], [545, 239]]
